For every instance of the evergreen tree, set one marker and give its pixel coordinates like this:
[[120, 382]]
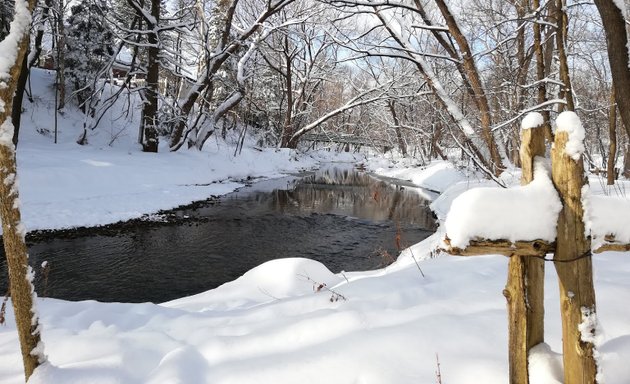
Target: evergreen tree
[[6, 15], [89, 44]]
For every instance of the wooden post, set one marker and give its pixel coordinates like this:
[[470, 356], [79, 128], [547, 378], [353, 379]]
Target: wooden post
[[524, 290], [573, 264]]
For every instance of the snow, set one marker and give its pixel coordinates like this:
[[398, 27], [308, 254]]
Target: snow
[[621, 5], [9, 45], [525, 213], [437, 176], [545, 366], [569, 122], [606, 216], [532, 120], [265, 327], [271, 325], [6, 133], [590, 332]]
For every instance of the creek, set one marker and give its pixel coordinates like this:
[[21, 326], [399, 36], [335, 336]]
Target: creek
[[344, 218]]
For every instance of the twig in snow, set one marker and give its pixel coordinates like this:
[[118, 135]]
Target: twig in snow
[[265, 292], [318, 287], [416, 261], [438, 373]]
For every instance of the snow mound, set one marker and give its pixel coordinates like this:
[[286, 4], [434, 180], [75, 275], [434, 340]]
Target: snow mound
[[273, 280], [524, 213], [545, 366]]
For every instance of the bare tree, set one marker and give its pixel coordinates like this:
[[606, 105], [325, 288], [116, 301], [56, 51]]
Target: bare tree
[[228, 43]]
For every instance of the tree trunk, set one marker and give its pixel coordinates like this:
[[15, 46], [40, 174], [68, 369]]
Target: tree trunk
[[20, 274], [288, 128], [18, 98], [611, 175], [616, 41], [524, 290], [574, 266], [480, 98], [150, 108], [61, 56], [541, 95], [401, 141], [561, 35]]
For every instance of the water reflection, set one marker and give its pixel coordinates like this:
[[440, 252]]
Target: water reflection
[[350, 193], [346, 220]]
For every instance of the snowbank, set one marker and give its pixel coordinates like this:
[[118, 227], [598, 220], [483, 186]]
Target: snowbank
[[388, 331]]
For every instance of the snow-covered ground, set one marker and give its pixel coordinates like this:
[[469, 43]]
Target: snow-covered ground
[[278, 323]]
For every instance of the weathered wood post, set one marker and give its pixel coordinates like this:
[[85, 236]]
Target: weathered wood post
[[524, 290], [573, 253]]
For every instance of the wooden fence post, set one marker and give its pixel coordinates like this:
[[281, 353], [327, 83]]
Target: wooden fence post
[[524, 290], [573, 257]]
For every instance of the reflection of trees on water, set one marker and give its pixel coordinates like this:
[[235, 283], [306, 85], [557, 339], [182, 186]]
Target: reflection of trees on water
[[350, 193]]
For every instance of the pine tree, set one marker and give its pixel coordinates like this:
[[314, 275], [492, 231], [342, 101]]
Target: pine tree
[[89, 44], [6, 15]]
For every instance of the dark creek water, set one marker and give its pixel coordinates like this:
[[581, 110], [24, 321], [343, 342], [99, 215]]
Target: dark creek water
[[343, 218]]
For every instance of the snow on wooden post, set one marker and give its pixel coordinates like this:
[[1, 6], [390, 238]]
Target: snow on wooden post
[[573, 253], [556, 215], [477, 225], [524, 290]]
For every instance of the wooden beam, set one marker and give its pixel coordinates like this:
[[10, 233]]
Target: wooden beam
[[501, 247], [519, 248], [612, 247]]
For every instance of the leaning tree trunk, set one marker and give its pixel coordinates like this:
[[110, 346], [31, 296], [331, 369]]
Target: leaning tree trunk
[[541, 89], [480, 98], [20, 274], [616, 41], [566, 91]]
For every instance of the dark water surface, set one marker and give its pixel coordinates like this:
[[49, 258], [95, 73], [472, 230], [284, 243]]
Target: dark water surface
[[343, 218]]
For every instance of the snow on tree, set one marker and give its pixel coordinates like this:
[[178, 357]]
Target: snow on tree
[[89, 42], [13, 48]]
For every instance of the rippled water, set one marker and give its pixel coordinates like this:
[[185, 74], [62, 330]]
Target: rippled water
[[343, 218]]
